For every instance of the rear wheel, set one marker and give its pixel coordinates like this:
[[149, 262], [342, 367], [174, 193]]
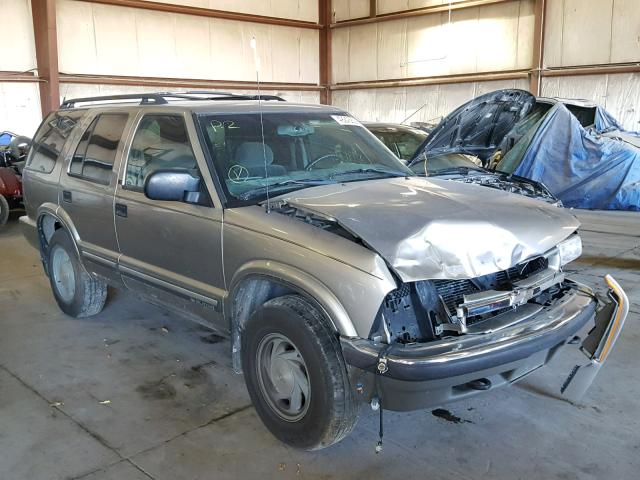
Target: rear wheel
[[77, 293], [4, 210], [295, 374]]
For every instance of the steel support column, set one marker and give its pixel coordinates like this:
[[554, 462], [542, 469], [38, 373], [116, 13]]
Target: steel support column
[[324, 18], [44, 28], [537, 63]]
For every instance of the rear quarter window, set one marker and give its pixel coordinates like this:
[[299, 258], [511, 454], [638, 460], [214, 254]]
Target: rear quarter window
[[50, 139]]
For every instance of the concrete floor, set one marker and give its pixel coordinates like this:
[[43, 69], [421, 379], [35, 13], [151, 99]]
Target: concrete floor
[[136, 393]]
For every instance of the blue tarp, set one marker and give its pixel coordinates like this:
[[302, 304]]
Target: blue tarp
[[580, 167]]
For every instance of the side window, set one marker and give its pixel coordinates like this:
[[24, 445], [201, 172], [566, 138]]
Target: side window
[[94, 157], [161, 142], [50, 138]]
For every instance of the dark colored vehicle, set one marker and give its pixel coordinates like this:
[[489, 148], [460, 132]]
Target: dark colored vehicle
[[13, 151], [574, 147], [404, 141]]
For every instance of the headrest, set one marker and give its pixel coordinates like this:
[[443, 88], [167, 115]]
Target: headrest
[[253, 154]]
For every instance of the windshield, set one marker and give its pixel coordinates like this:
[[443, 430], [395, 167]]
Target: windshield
[[446, 162], [402, 142], [300, 150]]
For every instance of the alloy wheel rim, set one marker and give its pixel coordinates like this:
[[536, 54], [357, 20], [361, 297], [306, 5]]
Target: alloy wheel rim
[[283, 377], [64, 277]]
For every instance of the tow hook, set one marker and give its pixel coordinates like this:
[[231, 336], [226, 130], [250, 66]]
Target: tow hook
[[479, 384]]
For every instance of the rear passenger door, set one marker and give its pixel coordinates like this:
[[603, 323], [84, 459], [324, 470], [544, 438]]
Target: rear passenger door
[[87, 192], [170, 251], [53, 140]]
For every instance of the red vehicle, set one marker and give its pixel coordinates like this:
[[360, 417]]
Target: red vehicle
[[13, 153]]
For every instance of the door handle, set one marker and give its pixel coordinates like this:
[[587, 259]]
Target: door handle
[[121, 210], [66, 196]]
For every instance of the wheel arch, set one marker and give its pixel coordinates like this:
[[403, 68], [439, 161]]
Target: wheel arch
[[259, 281], [51, 218]]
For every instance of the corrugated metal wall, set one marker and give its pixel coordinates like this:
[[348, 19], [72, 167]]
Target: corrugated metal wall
[[96, 39], [19, 102], [109, 40], [582, 32], [484, 39], [422, 104], [294, 9]]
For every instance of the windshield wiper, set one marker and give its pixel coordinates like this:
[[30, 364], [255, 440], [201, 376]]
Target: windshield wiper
[[461, 170], [281, 185], [369, 170]]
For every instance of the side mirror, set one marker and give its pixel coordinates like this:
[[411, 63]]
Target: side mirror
[[179, 185]]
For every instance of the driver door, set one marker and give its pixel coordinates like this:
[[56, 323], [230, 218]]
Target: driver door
[[171, 251]]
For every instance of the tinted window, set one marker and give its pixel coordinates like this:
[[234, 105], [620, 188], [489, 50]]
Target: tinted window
[[50, 138], [161, 142], [96, 152]]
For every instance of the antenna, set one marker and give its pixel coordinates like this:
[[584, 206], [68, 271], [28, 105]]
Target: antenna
[[256, 61]]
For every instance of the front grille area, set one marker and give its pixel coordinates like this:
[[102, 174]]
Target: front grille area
[[452, 291]]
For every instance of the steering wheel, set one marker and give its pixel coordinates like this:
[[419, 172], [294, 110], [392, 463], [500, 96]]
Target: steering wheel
[[320, 159]]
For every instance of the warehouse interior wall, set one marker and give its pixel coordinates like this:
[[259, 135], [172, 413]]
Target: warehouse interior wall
[[597, 32], [416, 67], [96, 41], [19, 102], [489, 39]]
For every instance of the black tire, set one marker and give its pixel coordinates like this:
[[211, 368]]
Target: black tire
[[88, 294], [332, 409], [4, 210]]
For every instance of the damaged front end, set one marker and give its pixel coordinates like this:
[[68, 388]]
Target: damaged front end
[[436, 341], [412, 362], [480, 300], [428, 309]]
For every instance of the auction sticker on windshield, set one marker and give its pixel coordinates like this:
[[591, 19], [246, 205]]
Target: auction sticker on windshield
[[346, 120]]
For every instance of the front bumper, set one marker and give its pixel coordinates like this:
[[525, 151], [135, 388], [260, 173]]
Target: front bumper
[[428, 374]]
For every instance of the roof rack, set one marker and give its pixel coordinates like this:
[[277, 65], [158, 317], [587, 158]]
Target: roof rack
[[161, 98]]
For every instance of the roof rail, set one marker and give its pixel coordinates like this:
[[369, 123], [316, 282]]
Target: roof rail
[[145, 99], [160, 98]]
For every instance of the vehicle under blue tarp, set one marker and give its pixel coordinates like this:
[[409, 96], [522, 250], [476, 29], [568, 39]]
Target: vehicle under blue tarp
[[580, 166]]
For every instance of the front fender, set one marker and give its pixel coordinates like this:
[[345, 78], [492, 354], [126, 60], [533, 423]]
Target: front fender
[[297, 280]]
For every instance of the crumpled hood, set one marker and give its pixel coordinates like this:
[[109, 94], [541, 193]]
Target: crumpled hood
[[437, 229]]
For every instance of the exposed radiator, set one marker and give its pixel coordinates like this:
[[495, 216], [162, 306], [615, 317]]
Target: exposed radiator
[[452, 291]]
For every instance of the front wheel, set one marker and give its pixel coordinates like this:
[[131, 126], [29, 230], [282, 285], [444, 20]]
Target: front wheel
[[77, 293], [296, 376]]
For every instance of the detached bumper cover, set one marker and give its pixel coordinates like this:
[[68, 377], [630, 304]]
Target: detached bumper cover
[[600, 341], [545, 328]]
